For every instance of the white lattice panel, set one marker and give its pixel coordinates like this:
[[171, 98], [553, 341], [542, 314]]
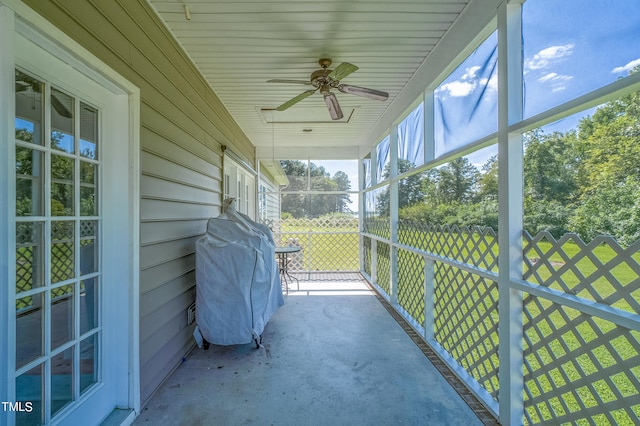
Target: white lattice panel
[[477, 246], [601, 271], [328, 244]]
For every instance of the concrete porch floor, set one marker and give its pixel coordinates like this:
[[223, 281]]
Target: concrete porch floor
[[332, 355]]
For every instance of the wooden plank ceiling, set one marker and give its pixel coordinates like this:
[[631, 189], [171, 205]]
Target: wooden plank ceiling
[[240, 44]]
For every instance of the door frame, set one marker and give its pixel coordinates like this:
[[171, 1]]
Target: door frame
[[17, 18]]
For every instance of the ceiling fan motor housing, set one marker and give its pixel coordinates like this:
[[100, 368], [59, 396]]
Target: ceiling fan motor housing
[[321, 80]]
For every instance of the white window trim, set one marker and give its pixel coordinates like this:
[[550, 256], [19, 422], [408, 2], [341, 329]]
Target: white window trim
[[7, 171], [243, 171]]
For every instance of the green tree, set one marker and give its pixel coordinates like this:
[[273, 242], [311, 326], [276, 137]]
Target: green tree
[[550, 181], [550, 166], [343, 184], [612, 210], [319, 204], [410, 190], [298, 176], [609, 171], [457, 180], [303, 177], [488, 180], [587, 180]]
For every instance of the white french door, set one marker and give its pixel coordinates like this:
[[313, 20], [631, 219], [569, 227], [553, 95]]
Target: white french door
[[71, 317], [58, 248]]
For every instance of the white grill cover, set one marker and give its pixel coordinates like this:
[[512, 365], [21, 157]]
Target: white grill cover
[[237, 281]]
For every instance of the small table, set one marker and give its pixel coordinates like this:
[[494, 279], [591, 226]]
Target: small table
[[283, 264]]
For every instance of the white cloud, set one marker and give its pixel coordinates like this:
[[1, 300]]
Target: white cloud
[[547, 77], [548, 56], [459, 89], [469, 82], [557, 81], [631, 65], [470, 73], [553, 77]]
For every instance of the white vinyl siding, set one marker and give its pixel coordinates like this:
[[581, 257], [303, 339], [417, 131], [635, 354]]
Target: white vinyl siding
[[183, 125]]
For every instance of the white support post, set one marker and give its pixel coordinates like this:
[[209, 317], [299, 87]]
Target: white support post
[[309, 251], [429, 299], [361, 209], [510, 209], [374, 261], [429, 125], [393, 214], [7, 211], [429, 265], [374, 166]]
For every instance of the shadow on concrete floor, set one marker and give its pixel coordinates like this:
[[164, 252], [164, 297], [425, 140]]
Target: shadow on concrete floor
[[330, 356]]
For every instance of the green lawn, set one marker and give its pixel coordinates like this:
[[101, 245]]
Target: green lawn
[[325, 246]]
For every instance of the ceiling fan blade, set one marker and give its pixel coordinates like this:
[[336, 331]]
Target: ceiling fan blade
[[364, 92], [342, 70], [288, 81], [60, 108], [22, 86], [295, 100], [334, 107]]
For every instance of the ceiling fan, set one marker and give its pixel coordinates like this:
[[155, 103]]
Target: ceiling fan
[[324, 80], [34, 87]]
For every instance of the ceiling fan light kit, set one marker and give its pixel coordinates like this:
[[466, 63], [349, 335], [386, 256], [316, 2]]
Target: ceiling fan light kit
[[324, 80]]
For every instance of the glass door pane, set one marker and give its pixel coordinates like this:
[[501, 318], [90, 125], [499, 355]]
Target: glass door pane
[[62, 124], [58, 271]]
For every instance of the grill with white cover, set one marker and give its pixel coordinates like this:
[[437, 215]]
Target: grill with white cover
[[237, 281]]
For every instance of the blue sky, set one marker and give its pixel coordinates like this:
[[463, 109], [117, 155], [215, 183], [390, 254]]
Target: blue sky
[[571, 47]]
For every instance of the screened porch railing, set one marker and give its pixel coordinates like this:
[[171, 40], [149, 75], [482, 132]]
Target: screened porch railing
[[581, 358], [328, 244]]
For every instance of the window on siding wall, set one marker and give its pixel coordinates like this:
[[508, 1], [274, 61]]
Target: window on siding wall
[[466, 103], [239, 184], [411, 137], [227, 184], [572, 47]]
